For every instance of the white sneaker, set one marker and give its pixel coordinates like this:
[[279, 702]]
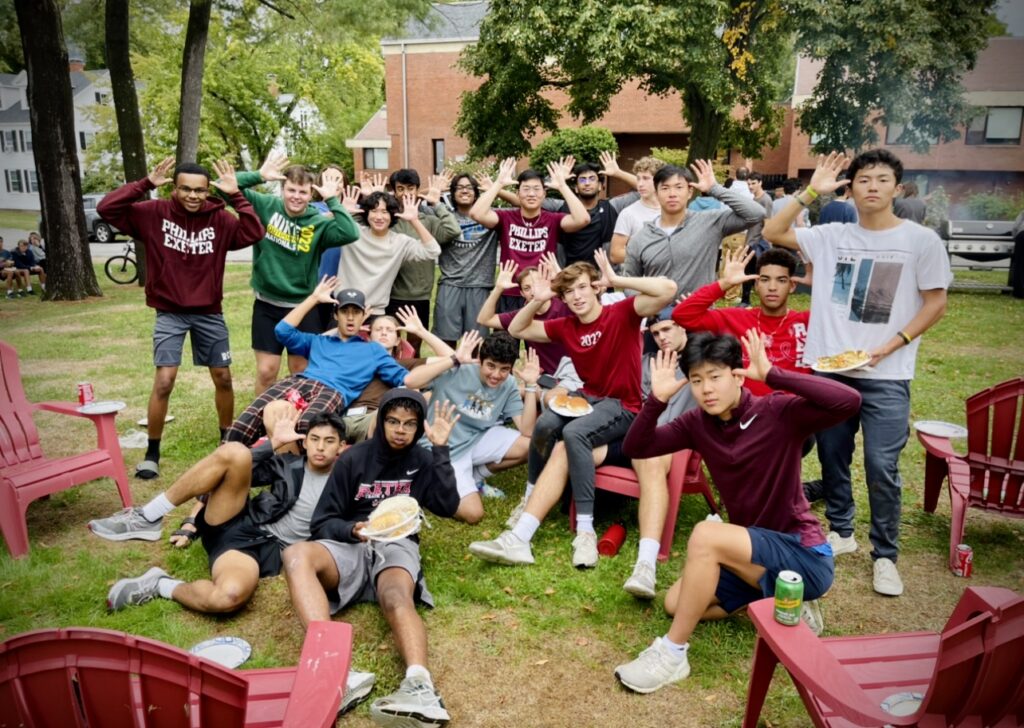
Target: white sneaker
[[358, 687], [810, 613], [416, 704], [887, 579], [513, 517], [654, 668], [507, 548], [584, 550], [841, 544], [643, 581], [713, 517]]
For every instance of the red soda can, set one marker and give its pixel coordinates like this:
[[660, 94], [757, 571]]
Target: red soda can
[[85, 393], [297, 400], [612, 540], [964, 561]]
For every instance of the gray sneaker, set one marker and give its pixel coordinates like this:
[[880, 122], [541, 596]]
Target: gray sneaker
[[513, 517], [654, 668], [358, 687], [414, 705], [507, 548], [810, 612], [643, 581], [135, 591], [584, 550], [126, 525]]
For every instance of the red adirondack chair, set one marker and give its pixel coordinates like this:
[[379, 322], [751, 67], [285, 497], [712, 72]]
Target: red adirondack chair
[[991, 475], [78, 677], [686, 477], [25, 473], [969, 674]]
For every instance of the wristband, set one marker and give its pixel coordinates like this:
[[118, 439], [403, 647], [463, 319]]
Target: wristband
[[455, 362], [800, 201], [811, 193], [530, 388], [906, 339]]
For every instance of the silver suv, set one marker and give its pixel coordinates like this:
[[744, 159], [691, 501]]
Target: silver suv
[[99, 230]]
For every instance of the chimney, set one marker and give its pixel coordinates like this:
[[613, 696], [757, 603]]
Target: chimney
[[76, 59]]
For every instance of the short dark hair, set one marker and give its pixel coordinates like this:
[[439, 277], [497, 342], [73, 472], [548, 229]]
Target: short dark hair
[[705, 347], [790, 185], [331, 419], [455, 183], [669, 171], [755, 177], [525, 272], [527, 175], [373, 199], [780, 257], [742, 174], [402, 403], [298, 175], [404, 177], [190, 168], [875, 158], [586, 167], [910, 189], [500, 347]]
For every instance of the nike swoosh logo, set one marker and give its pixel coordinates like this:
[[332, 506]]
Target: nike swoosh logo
[[412, 472], [745, 425]]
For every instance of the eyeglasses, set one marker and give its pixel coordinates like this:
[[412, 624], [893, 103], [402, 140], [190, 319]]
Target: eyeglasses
[[587, 180], [404, 425], [197, 191], [464, 188]]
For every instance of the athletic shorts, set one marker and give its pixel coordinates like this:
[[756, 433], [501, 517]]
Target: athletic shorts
[[239, 533], [490, 448], [357, 427], [456, 309], [359, 565], [207, 331], [422, 308], [265, 316], [776, 552]]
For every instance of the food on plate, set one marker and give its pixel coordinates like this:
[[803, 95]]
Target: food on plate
[[395, 517], [845, 360], [578, 405]]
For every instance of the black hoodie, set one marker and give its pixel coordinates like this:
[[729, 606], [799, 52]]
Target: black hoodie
[[371, 471]]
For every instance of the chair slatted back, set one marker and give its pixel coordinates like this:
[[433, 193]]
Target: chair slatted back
[[19, 439], [1001, 688], [958, 665], [995, 444]]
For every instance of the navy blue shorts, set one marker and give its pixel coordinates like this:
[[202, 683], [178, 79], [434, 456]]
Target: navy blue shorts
[[775, 552]]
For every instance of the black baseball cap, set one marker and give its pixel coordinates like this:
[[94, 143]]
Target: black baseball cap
[[349, 297]]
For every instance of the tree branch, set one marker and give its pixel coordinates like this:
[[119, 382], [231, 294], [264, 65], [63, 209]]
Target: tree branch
[[276, 8]]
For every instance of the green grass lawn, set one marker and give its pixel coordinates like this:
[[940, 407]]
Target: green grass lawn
[[26, 220], [509, 646]]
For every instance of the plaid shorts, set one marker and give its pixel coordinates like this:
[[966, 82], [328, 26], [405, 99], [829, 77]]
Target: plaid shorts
[[248, 428]]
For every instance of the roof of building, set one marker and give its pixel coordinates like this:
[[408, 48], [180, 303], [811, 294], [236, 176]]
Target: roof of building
[[374, 132], [445, 22], [14, 114]]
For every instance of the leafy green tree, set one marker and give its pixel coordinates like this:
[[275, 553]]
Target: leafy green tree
[[585, 143]]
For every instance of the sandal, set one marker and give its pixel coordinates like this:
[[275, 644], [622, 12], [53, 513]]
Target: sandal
[[147, 470], [190, 534]]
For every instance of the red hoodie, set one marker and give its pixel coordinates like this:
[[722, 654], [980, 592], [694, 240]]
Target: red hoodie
[[185, 252]]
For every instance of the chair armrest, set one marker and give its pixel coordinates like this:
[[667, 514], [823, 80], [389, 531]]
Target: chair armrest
[[940, 447], [978, 599], [810, 664], [66, 408], [320, 676], [959, 476]]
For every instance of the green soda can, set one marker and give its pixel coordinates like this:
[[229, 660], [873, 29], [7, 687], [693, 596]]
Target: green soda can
[[789, 598]]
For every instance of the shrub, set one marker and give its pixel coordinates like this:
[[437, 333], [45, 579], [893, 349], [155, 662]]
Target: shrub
[[995, 206], [585, 143]]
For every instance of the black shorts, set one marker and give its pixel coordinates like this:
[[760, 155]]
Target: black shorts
[[265, 316], [241, 534], [422, 309]]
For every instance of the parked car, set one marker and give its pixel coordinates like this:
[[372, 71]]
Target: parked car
[[99, 230]]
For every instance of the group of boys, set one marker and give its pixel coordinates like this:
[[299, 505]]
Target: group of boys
[[749, 411], [19, 265]]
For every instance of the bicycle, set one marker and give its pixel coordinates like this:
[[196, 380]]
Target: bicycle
[[122, 268]]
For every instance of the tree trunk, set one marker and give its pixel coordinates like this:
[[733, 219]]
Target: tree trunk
[[706, 125], [192, 79], [70, 275], [126, 103]]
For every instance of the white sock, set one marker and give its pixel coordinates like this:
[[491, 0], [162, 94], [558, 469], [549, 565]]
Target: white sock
[[157, 508], [585, 523], [419, 671], [529, 489], [648, 550], [525, 527], [677, 651], [481, 472], [167, 585]]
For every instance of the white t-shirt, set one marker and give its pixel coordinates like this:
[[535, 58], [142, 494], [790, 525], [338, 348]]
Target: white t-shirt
[[867, 287], [633, 217]]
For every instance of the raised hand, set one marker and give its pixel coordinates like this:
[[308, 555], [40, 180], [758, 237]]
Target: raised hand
[[506, 275], [705, 174], [410, 210], [284, 428], [444, 420], [824, 180], [411, 322], [559, 176], [323, 293], [735, 262], [506, 172], [550, 260], [483, 181], [438, 184], [604, 265], [610, 164], [274, 166], [350, 199], [470, 341], [226, 181], [664, 385], [529, 372], [542, 283], [758, 366], [160, 174], [330, 183], [370, 183]]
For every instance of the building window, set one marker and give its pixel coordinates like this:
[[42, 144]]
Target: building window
[[26, 140], [13, 180], [86, 139], [438, 156], [894, 135], [33, 180], [1000, 125], [375, 158], [101, 98], [9, 141]]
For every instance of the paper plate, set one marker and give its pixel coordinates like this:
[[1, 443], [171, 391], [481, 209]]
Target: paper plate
[[857, 364], [566, 412], [145, 420], [404, 515], [940, 428], [227, 651], [102, 408]]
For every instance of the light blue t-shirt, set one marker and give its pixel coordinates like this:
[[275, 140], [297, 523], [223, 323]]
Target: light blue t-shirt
[[481, 407]]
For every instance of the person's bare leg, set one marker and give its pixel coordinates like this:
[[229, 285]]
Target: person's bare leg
[[514, 457], [267, 367], [310, 572], [226, 474], [672, 598], [471, 509], [156, 412], [652, 475], [235, 576], [395, 589], [296, 364], [224, 396]]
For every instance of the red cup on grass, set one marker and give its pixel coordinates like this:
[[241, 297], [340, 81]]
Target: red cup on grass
[[612, 540]]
